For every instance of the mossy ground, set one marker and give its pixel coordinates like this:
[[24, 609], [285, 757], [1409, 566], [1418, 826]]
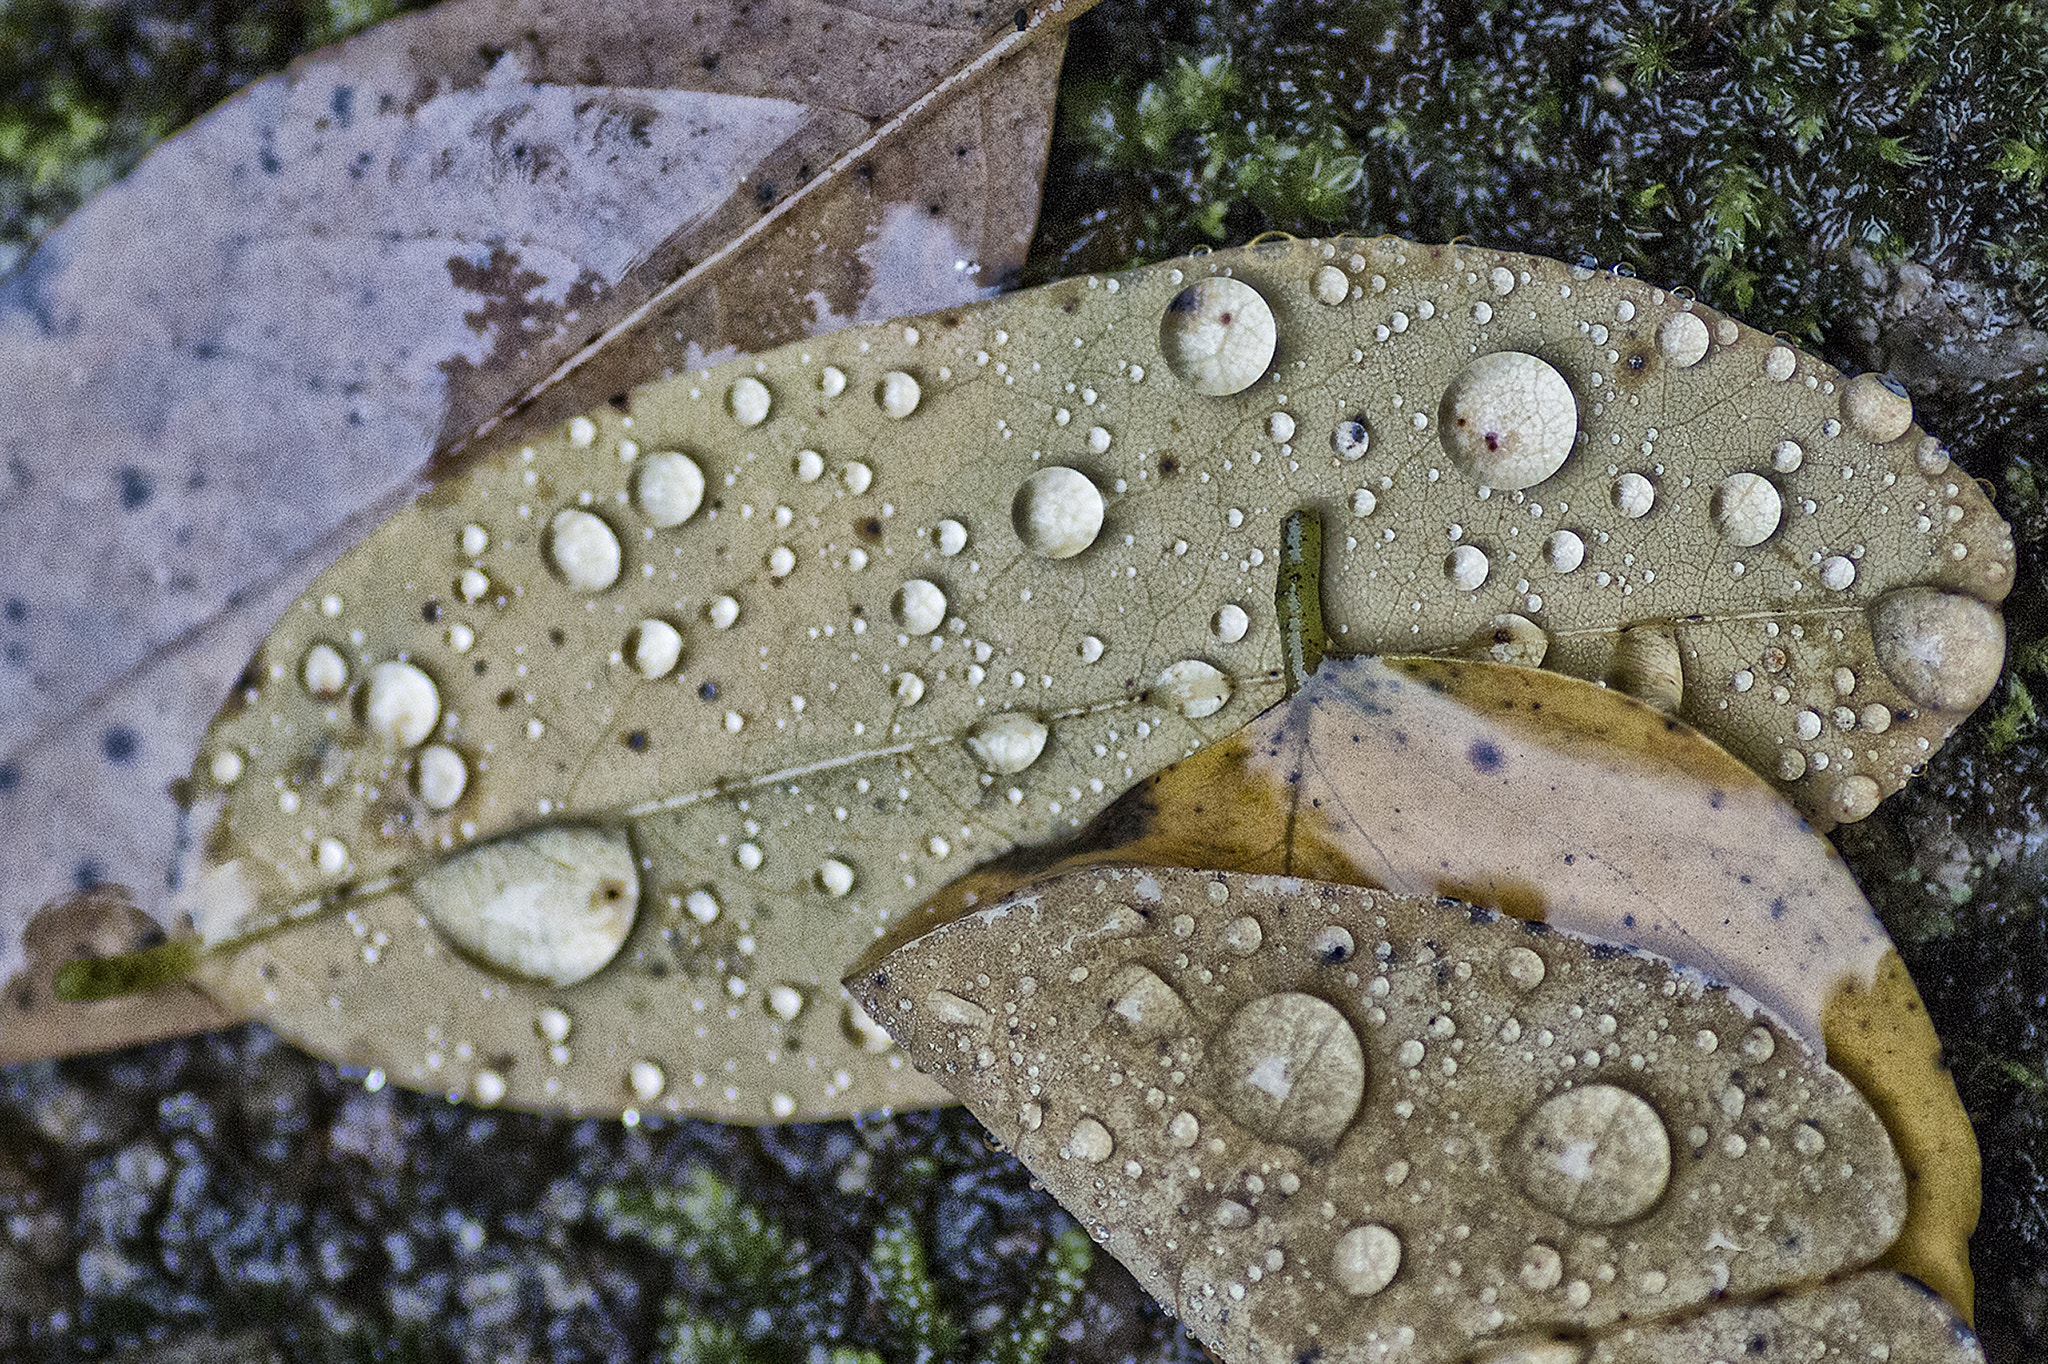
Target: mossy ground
[[1784, 161]]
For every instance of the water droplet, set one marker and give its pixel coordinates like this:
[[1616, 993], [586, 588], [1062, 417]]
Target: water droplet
[[1242, 935], [1230, 623], [702, 906], [747, 856], [402, 704], [862, 1030], [1289, 1067], [1877, 408], [834, 877], [440, 776], [781, 561], [1143, 1005], [1409, 1054], [226, 767], [919, 606], [323, 671], [1057, 512], [1542, 1268], [668, 488], [1089, 1140], [1466, 567], [1647, 666], [809, 466], [1508, 420], [583, 550], [1683, 339], [1198, 689], [1332, 285], [1514, 640], [1522, 968], [1791, 765], [749, 401], [1787, 456], [1633, 495], [1853, 798], [831, 381], [1746, 509], [487, 1088], [331, 856], [723, 612], [897, 394], [1280, 426], [553, 1025], [1780, 363], [1837, 573], [655, 647], [1596, 1155], [909, 688], [1350, 439], [1009, 742], [1807, 1140], [1365, 1259], [1218, 336], [785, 1002], [646, 1079], [1090, 648], [1565, 550], [553, 905], [1502, 279], [1942, 649], [1758, 1044], [472, 585], [952, 537], [1363, 502], [856, 477]]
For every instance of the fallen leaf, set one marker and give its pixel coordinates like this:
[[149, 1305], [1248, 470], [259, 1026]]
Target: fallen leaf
[[805, 636], [1323, 1121], [231, 365]]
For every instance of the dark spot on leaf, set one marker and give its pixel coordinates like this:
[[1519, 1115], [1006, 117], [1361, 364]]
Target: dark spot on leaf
[[10, 778], [137, 487], [635, 740], [506, 698], [1169, 466], [1637, 361], [709, 61], [868, 528], [1021, 20], [708, 692], [89, 872], [17, 610], [764, 194], [1485, 756], [556, 637], [1779, 908], [430, 612], [120, 743]]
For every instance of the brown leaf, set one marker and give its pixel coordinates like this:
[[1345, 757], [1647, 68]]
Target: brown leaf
[[231, 365]]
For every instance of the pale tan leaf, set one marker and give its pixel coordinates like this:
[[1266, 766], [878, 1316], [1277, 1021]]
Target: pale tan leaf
[[1326, 1121], [946, 587], [234, 363]]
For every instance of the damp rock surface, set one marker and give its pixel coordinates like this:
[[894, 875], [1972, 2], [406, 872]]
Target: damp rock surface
[[1533, 1154], [1064, 504]]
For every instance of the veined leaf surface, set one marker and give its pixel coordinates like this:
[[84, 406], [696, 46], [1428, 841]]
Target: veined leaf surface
[[814, 632]]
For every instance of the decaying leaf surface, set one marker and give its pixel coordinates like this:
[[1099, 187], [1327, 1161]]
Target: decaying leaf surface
[[1323, 1118], [234, 363], [1573, 805], [817, 631]]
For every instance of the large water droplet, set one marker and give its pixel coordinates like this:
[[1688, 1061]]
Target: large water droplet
[[1633, 495], [1057, 512], [1289, 1067], [1508, 420], [1465, 568], [1009, 742], [1746, 508], [1877, 408], [655, 647], [749, 401], [553, 905], [1143, 1005], [583, 550], [402, 704], [897, 394], [1596, 1155], [1683, 339], [919, 606], [1647, 666], [1218, 336], [669, 487], [1365, 1260], [1942, 649], [1510, 639], [1089, 1140]]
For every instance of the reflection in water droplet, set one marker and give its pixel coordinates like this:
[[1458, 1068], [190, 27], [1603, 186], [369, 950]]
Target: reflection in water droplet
[[1009, 742], [402, 704], [1746, 509], [1218, 336], [1057, 512], [668, 488], [1350, 439], [553, 905], [323, 671], [1289, 1067], [440, 776], [1597, 1155], [1365, 1260], [583, 550], [1508, 420], [1683, 339], [919, 606], [1196, 688]]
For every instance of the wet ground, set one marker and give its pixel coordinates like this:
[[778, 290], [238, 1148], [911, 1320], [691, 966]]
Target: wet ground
[[226, 1198]]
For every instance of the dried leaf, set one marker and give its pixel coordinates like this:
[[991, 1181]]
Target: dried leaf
[[241, 358], [818, 631], [1324, 1121]]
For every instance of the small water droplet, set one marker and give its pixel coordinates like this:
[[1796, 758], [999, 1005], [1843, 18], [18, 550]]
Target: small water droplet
[[952, 537], [856, 477], [1184, 1129], [1633, 495], [331, 857], [702, 906], [475, 540], [722, 613], [897, 394], [1746, 509], [553, 1025], [583, 550], [1542, 1268], [1365, 1259], [835, 877], [1837, 573], [1466, 567], [1009, 742], [1350, 439], [1683, 339], [1780, 363], [1787, 456], [1057, 512], [646, 1079], [1564, 550], [1142, 1005], [440, 776], [1218, 336], [1090, 648], [1522, 968], [487, 1088], [226, 767], [1332, 286], [749, 401], [323, 671], [1280, 426], [402, 704], [1089, 1140], [919, 606], [1230, 623], [1196, 688], [785, 1002]]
